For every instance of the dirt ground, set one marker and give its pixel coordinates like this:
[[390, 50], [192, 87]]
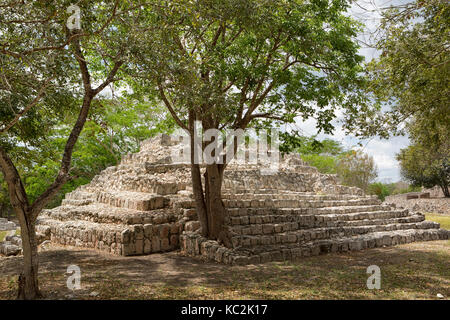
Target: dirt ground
[[411, 271]]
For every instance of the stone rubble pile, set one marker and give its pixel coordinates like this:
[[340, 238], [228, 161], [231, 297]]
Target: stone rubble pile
[[11, 246], [145, 205], [6, 225]]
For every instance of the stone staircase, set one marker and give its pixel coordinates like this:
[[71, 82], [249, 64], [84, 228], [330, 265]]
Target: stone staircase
[[145, 205], [285, 226]]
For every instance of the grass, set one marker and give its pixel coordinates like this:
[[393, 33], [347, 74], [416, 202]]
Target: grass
[[442, 219], [4, 233], [410, 271]]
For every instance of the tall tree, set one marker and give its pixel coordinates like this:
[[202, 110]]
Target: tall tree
[[411, 76], [426, 167], [356, 168], [50, 64], [410, 80], [228, 63]]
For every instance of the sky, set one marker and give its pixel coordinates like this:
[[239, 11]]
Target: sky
[[382, 151]]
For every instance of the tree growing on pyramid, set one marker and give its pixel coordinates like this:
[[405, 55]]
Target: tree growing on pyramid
[[231, 64]]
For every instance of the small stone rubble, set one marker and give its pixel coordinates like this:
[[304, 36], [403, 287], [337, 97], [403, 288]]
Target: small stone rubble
[[145, 205], [11, 246], [6, 225]]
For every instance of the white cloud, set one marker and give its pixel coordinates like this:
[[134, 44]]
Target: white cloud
[[383, 151]]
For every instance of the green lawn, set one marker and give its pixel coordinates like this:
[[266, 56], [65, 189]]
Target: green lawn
[[417, 270], [4, 233], [443, 220]]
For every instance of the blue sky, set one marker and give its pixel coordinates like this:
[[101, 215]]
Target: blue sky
[[383, 151]]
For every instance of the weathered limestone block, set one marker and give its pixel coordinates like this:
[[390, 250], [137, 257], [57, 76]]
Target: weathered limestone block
[[156, 244], [192, 226], [9, 249]]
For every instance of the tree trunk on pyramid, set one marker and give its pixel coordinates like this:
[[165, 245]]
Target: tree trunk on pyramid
[[211, 211], [215, 208], [208, 67]]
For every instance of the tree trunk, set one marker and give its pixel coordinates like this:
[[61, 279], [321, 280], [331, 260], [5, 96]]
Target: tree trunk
[[216, 211], [211, 211], [445, 190], [28, 280], [199, 199]]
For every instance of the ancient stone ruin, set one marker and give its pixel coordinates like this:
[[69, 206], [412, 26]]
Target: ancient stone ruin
[[11, 245], [145, 205], [6, 225]]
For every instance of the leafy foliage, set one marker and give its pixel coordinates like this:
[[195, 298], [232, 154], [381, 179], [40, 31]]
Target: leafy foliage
[[353, 167], [411, 77], [380, 189], [426, 167], [232, 62]]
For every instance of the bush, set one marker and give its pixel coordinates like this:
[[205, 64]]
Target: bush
[[380, 189]]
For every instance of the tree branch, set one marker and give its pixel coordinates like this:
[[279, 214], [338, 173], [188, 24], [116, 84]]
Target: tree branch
[[110, 77], [170, 107], [28, 107]]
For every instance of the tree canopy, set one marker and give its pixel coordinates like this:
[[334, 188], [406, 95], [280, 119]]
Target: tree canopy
[[411, 76]]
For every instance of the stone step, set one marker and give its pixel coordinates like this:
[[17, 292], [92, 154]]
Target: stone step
[[6, 225], [296, 203], [146, 183], [311, 219], [253, 167], [102, 236], [195, 245], [114, 238], [103, 213], [299, 236], [80, 194], [133, 200], [165, 167], [76, 202], [286, 195], [236, 212], [293, 207], [280, 227], [343, 244]]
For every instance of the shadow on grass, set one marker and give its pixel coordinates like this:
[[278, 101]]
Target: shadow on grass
[[412, 271]]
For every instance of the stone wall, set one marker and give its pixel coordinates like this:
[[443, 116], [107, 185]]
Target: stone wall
[[120, 240], [193, 244], [432, 205]]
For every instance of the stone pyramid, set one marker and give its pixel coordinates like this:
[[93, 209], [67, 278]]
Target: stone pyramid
[[145, 205]]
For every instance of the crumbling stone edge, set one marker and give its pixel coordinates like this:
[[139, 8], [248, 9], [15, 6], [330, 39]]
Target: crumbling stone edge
[[194, 245]]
